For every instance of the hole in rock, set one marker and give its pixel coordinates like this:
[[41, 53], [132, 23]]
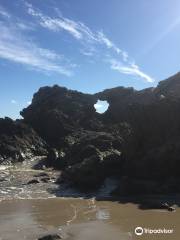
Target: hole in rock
[[101, 106]]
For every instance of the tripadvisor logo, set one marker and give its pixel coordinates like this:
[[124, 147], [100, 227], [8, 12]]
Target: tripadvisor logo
[[139, 231]]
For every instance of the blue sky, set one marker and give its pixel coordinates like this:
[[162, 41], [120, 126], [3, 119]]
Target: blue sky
[[84, 45]]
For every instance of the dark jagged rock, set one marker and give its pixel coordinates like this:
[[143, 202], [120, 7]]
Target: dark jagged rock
[[50, 237], [158, 205], [56, 111], [42, 174], [170, 87], [138, 136], [33, 181], [144, 126], [132, 186], [45, 179], [154, 118], [19, 141], [88, 157]]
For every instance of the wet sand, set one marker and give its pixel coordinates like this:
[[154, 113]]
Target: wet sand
[[80, 219], [29, 211]]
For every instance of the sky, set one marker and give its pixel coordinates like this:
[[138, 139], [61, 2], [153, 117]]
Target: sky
[[84, 45]]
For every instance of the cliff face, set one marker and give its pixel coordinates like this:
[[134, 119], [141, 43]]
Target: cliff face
[[137, 137]]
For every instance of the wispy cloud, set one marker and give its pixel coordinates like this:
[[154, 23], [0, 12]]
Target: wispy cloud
[[24, 26], [56, 24], [77, 29], [16, 48], [131, 69], [17, 22], [86, 52], [108, 43], [89, 38], [13, 101], [4, 13]]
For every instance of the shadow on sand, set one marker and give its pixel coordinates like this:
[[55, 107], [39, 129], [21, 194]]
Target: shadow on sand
[[144, 202]]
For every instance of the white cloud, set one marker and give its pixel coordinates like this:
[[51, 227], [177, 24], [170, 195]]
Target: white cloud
[[56, 24], [15, 48], [89, 38], [4, 13], [23, 26], [125, 56], [86, 53], [65, 24], [131, 69], [77, 29], [108, 43], [13, 101], [29, 102], [17, 23]]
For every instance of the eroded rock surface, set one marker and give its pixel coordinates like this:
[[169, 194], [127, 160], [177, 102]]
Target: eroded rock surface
[[18, 141], [136, 139]]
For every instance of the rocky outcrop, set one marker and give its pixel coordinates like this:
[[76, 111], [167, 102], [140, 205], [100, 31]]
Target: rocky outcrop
[[136, 139], [56, 111], [152, 151], [93, 157], [18, 141]]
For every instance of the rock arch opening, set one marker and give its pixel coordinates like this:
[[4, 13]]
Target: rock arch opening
[[101, 106]]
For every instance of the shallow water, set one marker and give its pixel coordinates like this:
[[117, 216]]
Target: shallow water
[[31, 211], [14, 179], [14, 183]]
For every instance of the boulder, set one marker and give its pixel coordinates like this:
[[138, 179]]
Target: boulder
[[33, 181], [45, 179], [50, 237], [41, 174]]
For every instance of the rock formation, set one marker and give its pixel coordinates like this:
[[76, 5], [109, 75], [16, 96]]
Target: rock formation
[[136, 139], [19, 141]]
